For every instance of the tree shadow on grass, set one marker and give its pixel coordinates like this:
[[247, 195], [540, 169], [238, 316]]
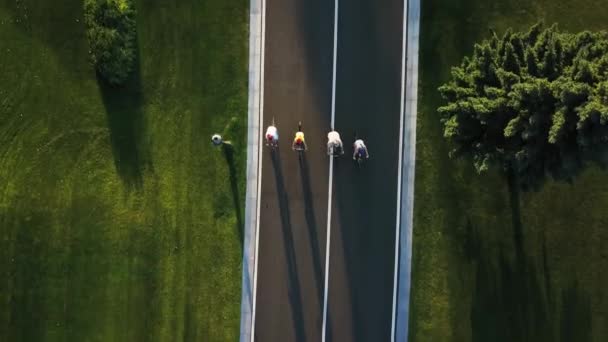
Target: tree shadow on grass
[[295, 293], [123, 105], [508, 303], [25, 275], [515, 205], [513, 298], [236, 198], [125, 118], [575, 315]]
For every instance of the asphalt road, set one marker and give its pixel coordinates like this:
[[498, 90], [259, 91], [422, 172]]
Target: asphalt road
[[368, 86], [293, 215], [297, 86]]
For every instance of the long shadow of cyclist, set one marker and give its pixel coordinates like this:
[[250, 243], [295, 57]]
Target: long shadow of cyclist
[[309, 214], [295, 293]]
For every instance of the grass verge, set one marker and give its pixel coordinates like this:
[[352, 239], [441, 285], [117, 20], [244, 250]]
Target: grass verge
[[489, 265], [117, 217]]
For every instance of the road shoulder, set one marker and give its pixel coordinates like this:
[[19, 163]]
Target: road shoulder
[[253, 160], [408, 170]]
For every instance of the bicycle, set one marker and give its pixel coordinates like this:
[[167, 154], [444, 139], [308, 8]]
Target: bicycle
[[359, 159], [299, 142]]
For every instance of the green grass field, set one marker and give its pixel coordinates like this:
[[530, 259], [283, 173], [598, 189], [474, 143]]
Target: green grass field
[[482, 270], [118, 219]]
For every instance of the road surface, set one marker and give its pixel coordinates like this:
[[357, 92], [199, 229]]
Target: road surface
[[363, 224], [293, 213], [293, 200]]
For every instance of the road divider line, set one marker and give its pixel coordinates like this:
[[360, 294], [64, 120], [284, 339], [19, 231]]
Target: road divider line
[[260, 153], [327, 249], [400, 168], [331, 172], [333, 84]]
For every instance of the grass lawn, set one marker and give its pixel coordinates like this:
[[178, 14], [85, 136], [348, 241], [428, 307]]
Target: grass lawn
[[482, 270], [118, 219]]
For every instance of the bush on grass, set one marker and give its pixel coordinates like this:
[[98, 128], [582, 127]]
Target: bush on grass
[[111, 32], [534, 103]]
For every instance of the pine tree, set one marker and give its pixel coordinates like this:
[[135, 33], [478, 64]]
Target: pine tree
[[534, 103]]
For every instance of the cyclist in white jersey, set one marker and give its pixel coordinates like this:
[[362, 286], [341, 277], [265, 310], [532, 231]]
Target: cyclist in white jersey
[[272, 136], [334, 144]]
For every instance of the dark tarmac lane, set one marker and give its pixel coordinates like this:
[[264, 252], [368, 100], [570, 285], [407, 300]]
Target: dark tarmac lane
[[368, 86], [297, 86]]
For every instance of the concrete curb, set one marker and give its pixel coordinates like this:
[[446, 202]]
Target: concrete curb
[[408, 170], [253, 181]]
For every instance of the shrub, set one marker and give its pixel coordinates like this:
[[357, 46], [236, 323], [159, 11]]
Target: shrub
[[111, 33]]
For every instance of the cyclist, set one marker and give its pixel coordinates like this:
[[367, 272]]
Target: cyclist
[[299, 142], [360, 150], [334, 144], [272, 135]]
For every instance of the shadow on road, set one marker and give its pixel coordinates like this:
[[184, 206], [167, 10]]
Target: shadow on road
[[311, 223], [351, 216], [295, 293], [315, 24], [236, 198]]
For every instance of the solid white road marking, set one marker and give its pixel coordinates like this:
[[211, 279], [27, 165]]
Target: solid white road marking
[[331, 169], [399, 174], [261, 149], [333, 84]]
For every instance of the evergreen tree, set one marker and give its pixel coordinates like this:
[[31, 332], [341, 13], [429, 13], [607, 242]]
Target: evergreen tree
[[111, 33], [534, 103]]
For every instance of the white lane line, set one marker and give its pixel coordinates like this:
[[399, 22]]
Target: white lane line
[[333, 84], [331, 169], [261, 149], [400, 175], [331, 172]]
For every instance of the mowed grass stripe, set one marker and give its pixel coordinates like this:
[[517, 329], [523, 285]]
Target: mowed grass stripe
[[118, 218]]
